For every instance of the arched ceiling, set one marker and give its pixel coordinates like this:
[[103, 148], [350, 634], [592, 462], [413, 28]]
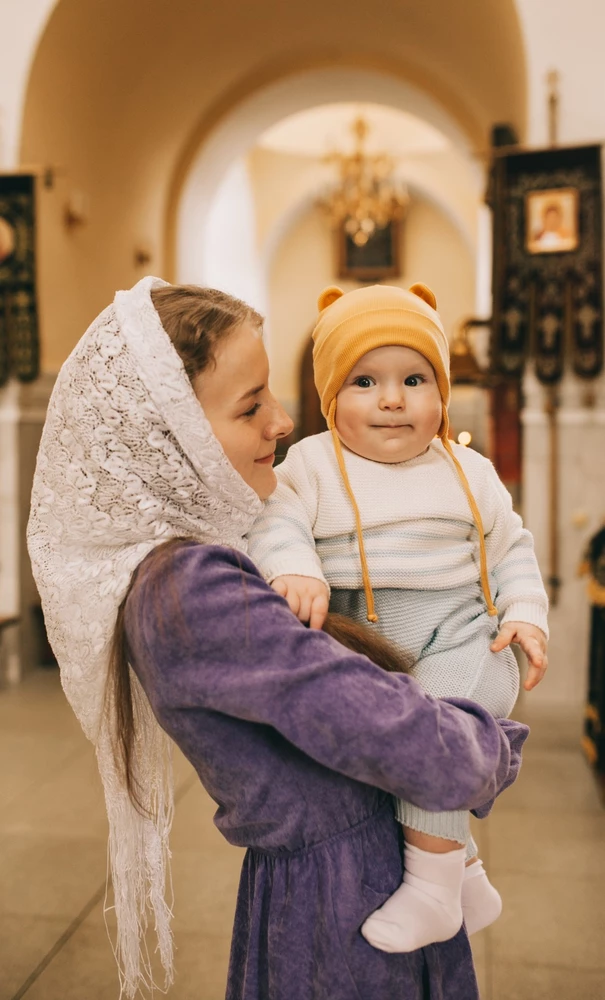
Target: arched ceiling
[[148, 72], [121, 94], [329, 127]]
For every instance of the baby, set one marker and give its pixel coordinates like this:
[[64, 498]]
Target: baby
[[384, 517]]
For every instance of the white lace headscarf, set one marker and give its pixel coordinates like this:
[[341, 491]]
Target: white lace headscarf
[[127, 460]]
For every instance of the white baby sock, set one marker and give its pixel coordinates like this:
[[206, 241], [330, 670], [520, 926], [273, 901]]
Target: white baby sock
[[425, 908], [481, 903]]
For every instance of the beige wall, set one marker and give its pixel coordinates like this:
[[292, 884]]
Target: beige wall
[[432, 251]]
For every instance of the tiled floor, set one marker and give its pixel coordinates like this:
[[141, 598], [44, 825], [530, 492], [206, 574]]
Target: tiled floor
[[544, 846]]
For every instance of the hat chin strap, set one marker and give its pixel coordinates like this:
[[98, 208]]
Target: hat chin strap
[[447, 444], [365, 573]]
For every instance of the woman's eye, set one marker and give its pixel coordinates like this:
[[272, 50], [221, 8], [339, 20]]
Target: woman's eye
[[414, 380], [253, 409], [364, 381]]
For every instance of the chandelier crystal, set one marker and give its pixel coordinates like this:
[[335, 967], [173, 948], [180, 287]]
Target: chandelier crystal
[[368, 197]]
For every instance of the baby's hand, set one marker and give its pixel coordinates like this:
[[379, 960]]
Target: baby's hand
[[307, 597], [533, 643]]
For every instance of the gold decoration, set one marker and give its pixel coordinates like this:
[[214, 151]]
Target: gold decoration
[[368, 197], [464, 369]]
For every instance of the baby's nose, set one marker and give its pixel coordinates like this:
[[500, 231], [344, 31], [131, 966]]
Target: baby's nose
[[392, 401]]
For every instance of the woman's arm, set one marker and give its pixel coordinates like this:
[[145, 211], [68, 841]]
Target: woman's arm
[[210, 633]]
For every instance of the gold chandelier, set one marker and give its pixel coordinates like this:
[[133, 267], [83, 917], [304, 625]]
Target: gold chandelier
[[367, 196]]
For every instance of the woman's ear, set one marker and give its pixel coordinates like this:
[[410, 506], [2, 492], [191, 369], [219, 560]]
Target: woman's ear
[[423, 292], [329, 295]]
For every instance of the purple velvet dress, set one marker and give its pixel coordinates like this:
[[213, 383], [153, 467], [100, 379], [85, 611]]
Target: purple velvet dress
[[302, 743]]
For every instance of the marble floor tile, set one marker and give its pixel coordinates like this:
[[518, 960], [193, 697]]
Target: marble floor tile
[[546, 843], [552, 781], [554, 920], [25, 941], [28, 763], [85, 969], [550, 728], [68, 803], [62, 874], [512, 981]]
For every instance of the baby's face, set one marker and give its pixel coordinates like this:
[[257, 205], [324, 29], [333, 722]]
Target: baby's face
[[389, 408]]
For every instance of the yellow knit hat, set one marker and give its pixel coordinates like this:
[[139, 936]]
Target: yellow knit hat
[[349, 326]]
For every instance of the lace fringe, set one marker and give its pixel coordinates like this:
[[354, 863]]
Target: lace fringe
[[138, 852]]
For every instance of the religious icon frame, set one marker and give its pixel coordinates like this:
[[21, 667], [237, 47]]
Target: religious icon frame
[[380, 258], [19, 331], [564, 201], [547, 307]]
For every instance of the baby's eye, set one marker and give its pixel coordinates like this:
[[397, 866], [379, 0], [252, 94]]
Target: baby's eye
[[364, 381], [253, 409], [414, 380]]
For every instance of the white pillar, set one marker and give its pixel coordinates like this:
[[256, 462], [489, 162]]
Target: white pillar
[[581, 504], [22, 415]]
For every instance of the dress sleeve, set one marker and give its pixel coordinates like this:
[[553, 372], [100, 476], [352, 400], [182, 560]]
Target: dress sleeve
[[281, 539], [237, 649]]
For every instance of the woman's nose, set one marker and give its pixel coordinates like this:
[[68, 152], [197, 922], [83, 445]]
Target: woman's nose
[[279, 424]]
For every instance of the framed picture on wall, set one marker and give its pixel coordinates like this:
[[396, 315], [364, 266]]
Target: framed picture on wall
[[378, 259], [551, 220], [19, 345]]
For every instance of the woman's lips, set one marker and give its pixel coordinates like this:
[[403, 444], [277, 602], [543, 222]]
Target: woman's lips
[[268, 460]]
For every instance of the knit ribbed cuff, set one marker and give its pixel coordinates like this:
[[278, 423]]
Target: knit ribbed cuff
[[527, 611], [285, 567], [453, 825]]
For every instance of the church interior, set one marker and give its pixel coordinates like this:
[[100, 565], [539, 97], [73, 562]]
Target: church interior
[[223, 145]]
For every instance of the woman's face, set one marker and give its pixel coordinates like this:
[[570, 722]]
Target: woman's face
[[243, 414]]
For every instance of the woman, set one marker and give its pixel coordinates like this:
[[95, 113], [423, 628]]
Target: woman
[[162, 426]]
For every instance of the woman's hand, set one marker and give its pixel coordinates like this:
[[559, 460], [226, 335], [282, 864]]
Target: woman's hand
[[306, 596], [533, 643]]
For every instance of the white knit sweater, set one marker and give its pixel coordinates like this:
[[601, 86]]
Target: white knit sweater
[[418, 528]]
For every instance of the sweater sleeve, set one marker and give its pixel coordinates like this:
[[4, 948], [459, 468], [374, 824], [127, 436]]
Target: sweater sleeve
[[281, 539], [511, 557], [239, 651]]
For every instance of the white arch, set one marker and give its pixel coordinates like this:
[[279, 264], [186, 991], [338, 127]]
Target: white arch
[[302, 205], [20, 34], [237, 132]]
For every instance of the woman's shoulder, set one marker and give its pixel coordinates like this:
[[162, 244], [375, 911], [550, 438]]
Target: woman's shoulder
[[184, 565], [187, 589]]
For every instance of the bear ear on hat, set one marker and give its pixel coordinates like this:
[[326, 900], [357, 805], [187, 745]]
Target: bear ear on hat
[[329, 295], [423, 292]]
